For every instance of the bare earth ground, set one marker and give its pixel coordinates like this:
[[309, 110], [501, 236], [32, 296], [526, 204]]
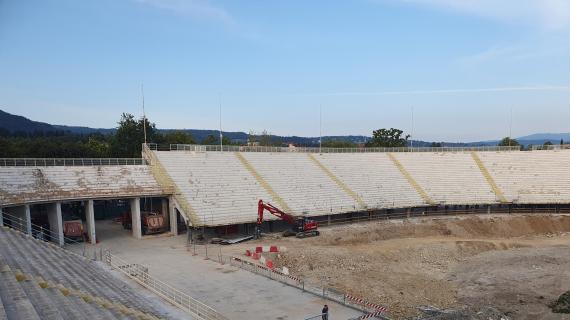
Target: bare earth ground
[[517, 264]]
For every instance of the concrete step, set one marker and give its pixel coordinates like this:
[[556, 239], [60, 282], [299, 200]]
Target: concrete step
[[16, 303]]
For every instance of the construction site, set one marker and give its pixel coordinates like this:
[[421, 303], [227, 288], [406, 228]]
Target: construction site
[[210, 232]]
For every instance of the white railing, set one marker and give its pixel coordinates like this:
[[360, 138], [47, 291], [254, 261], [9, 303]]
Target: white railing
[[231, 148], [52, 162], [552, 147], [174, 296]]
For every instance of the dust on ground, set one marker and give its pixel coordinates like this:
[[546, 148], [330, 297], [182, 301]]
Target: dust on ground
[[517, 264]]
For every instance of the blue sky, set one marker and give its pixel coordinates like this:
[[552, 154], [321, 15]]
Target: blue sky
[[461, 65]]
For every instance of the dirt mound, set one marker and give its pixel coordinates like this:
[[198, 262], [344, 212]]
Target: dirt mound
[[477, 226], [562, 305], [434, 261]]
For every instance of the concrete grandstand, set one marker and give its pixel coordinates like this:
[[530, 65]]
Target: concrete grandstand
[[209, 188], [206, 189]]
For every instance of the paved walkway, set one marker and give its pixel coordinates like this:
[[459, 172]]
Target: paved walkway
[[236, 293]]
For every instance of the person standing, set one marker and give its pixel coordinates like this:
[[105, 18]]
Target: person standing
[[325, 312]]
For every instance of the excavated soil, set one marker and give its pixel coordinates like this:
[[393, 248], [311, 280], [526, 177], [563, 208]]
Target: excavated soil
[[516, 264]]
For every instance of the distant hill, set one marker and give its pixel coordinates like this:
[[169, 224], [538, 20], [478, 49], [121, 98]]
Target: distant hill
[[14, 123]]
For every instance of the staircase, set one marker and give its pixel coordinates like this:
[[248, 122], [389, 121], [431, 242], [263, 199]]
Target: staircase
[[39, 280], [164, 179], [411, 180]]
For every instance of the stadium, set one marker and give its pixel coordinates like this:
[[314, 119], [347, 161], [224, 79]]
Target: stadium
[[374, 207]]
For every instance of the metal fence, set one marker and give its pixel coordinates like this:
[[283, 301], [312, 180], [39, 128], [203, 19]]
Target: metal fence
[[552, 147], [214, 253], [55, 162], [45, 234], [231, 148], [174, 296]]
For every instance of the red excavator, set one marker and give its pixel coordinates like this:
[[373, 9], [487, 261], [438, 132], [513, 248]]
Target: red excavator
[[302, 226]]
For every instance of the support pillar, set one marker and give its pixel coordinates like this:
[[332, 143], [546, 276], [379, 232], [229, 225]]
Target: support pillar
[[173, 217], [488, 209], [136, 217], [24, 219], [56, 223], [1, 217], [164, 211], [90, 217]]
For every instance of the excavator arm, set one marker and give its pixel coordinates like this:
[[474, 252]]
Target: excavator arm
[[261, 207], [301, 228]]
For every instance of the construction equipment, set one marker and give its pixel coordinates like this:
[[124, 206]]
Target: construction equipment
[[73, 229], [151, 222], [302, 227]]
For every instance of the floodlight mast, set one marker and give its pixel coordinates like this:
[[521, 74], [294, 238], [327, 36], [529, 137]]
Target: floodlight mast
[[144, 114], [221, 135], [320, 128]]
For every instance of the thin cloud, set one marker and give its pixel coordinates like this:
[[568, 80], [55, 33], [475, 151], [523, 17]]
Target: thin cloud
[[197, 9], [545, 14], [443, 91]]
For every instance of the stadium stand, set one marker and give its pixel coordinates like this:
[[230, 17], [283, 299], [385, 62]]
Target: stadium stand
[[448, 178], [223, 187], [51, 183], [373, 178], [301, 183], [535, 177], [218, 186], [43, 281]]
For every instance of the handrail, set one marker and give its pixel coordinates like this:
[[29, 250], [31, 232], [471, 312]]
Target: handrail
[[231, 148], [62, 162], [178, 298]]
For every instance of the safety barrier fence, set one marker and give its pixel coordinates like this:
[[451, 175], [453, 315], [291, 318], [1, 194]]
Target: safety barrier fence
[[214, 253], [62, 162], [232, 148], [174, 296]]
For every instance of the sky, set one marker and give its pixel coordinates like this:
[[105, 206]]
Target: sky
[[443, 70]]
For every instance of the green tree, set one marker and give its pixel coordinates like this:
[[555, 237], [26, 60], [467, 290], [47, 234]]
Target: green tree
[[178, 137], [129, 137], [547, 143], [338, 144], [213, 140], [508, 142], [436, 145], [388, 138]]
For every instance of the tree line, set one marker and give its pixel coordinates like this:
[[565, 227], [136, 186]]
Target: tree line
[[127, 139]]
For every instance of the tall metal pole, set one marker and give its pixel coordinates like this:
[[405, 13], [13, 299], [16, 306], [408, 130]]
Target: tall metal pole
[[144, 114], [511, 127], [412, 135], [320, 128], [221, 135]]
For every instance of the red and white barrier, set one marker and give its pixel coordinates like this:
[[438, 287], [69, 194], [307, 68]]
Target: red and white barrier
[[262, 249], [365, 303]]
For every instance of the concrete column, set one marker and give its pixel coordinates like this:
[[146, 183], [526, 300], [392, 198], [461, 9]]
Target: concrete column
[[488, 209], [24, 219], [90, 217], [173, 217], [136, 217], [165, 211], [56, 223], [1, 217]]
